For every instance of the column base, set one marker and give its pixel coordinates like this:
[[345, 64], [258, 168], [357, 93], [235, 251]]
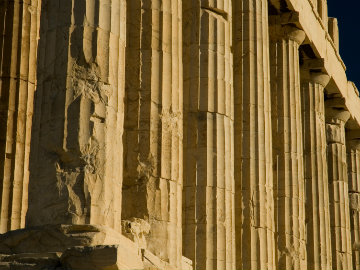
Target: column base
[[74, 247]]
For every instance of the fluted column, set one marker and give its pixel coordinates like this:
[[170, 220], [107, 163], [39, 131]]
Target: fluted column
[[19, 31], [254, 201], [153, 170], [353, 161], [336, 117], [208, 135], [76, 163], [289, 183], [316, 171]]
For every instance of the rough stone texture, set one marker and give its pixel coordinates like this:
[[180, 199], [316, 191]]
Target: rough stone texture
[[316, 171], [254, 203], [71, 247], [289, 185], [101, 258], [137, 229], [336, 117], [353, 161], [264, 167], [208, 201], [153, 165], [78, 125], [57, 238], [30, 261], [19, 29]]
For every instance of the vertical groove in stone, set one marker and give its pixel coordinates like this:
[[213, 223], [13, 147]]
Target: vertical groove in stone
[[316, 172], [254, 202], [78, 123], [208, 228], [353, 161], [288, 146], [19, 32], [153, 123], [338, 188]]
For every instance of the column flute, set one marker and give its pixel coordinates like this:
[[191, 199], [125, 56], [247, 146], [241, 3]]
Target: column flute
[[152, 188], [336, 117], [208, 135], [287, 135], [78, 123], [318, 245], [254, 199], [353, 161], [19, 32]]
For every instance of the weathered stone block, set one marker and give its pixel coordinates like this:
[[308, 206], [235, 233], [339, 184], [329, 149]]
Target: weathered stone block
[[354, 201], [102, 258], [57, 238], [30, 261], [152, 262], [136, 229]]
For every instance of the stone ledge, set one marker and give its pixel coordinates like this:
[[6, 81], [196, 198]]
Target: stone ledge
[[76, 247], [51, 246], [116, 257], [58, 238], [30, 261]]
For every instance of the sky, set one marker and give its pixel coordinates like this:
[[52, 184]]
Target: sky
[[348, 14]]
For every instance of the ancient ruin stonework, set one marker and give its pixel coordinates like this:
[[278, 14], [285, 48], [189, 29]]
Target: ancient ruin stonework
[[176, 134]]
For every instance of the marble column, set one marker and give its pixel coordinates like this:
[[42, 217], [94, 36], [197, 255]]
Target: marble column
[[19, 32], [153, 169], [353, 161], [316, 171], [76, 162], [287, 135], [209, 227], [254, 199], [336, 117]]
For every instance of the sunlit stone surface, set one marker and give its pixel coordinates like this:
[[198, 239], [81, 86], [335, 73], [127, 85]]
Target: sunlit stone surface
[[176, 134]]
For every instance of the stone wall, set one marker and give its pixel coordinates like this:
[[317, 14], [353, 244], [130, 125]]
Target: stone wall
[[176, 134]]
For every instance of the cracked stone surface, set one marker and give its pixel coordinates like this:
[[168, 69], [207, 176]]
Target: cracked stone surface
[[178, 135]]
